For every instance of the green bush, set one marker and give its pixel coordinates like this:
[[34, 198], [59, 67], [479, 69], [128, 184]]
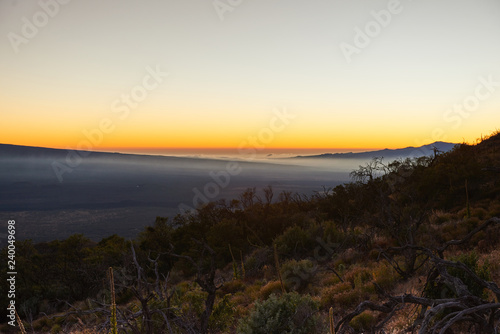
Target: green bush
[[348, 298], [189, 299], [232, 287], [332, 233], [358, 276], [440, 290], [385, 276], [222, 315], [297, 275], [471, 261], [270, 288], [290, 313], [363, 322], [294, 241], [257, 260], [328, 294], [55, 329]]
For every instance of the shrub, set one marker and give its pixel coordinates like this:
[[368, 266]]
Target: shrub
[[479, 212], [269, 289], [440, 217], [373, 254], [489, 240], [358, 276], [241, 299], [258, 259], [494, 210], [298, 274], [55, 329], [493, 259], [232, 287], [189, 299], [290, 313], [329, 280], [368, 289], [222, 315], [363, 322], [329, 294], [332, 232], [341, 287], [294, 241], [253, 291], [349, 256], [471, 261], [347, 298], [438, 289], [385, 276]]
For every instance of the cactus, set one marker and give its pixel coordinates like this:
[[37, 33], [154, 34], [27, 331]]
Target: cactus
[[332, 325], [242, 266], [112, 320], [467, 198], [277, 262], [20, 323], [235, 266]]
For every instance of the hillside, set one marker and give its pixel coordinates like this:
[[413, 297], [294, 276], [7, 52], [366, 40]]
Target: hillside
[[388, 154], [55, 193], [407, 246]]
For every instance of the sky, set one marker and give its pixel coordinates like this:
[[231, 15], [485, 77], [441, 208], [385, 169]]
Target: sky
[[270, 75]]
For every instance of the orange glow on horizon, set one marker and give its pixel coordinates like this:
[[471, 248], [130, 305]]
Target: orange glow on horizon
[[294, 141]]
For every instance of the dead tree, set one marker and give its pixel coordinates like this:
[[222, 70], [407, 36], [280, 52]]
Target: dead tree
[[438, 315], [155, 314], [205, 268]]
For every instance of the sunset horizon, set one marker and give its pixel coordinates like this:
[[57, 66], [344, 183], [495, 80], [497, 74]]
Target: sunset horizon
[[346, 77], [250, 167], [233, 151]]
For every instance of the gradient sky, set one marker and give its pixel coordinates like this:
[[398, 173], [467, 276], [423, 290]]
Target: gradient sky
[[227, 76]]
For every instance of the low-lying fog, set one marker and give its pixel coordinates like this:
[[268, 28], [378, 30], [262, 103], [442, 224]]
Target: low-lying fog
[[121, 194]]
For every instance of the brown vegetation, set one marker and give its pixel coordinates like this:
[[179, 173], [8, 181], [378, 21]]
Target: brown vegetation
[[409, 246]]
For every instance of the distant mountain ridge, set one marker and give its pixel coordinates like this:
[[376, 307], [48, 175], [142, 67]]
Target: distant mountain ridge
[[44, 152], [20, 151], [8, 150], [406, 152]]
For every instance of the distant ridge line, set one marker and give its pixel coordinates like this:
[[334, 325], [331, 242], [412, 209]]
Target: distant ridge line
[[57, 153], [410, 151]]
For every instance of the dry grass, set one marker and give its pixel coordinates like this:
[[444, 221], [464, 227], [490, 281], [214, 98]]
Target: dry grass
[[278, 268], [269, 289], [19, 322], [330, 318]]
